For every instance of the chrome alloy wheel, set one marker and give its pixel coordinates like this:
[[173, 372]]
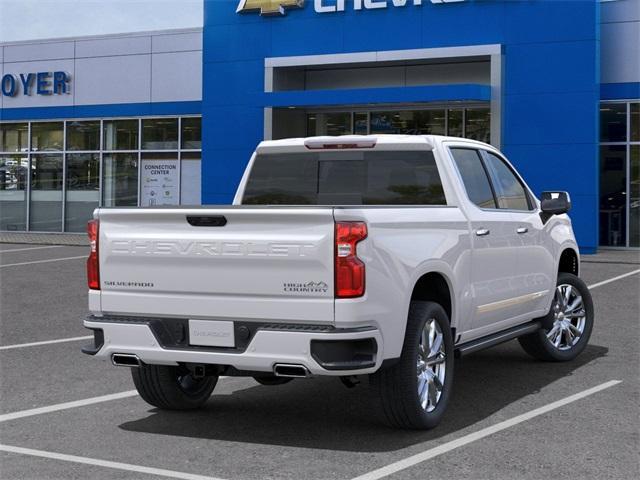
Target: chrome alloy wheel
[[431, 366], [569, 318]]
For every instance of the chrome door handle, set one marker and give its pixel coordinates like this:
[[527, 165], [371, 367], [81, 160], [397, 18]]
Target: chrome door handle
[[522, 230], [483, 232]]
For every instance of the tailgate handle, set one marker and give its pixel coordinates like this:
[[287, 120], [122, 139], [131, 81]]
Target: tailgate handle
[[215, 221]]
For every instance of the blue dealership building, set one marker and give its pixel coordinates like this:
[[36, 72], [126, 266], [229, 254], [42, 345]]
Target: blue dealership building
[[554, 84]]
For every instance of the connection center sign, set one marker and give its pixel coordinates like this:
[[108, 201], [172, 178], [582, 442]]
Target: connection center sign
[[160, 183]]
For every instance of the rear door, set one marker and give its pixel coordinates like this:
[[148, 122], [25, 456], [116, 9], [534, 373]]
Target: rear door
[[263, 264]]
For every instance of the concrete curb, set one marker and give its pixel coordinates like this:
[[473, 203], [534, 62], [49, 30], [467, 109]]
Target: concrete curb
[[45, 238]]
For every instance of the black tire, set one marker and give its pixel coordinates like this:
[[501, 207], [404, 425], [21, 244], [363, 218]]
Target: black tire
[[271, 380], [538, 345], [397, 386], [172, 388]]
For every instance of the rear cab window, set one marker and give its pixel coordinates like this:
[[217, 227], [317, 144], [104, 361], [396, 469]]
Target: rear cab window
[[345, 178]]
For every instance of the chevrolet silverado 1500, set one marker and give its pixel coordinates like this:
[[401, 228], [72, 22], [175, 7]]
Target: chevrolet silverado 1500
[[384, 256]]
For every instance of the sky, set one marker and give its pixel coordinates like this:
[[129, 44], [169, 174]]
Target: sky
[[34, 19]]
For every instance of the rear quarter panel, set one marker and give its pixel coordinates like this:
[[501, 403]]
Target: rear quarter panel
[[404, 244]]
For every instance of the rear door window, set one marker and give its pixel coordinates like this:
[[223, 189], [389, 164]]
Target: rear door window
[[345, 178], [474, 176]]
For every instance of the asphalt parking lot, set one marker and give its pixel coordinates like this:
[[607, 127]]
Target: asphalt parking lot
[[511, 416]]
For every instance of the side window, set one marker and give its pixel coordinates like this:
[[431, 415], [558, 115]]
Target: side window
[[510, 192], [474, 177]]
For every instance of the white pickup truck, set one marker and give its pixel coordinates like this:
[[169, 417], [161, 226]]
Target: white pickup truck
[[384, 256]]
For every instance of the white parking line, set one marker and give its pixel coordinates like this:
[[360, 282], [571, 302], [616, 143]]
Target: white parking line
[[30, 248], [619, 277], [42, 261], [104, 463], [67, 405], [485, 432], [45, 342]]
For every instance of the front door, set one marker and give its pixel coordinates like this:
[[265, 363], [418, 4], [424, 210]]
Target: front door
[[535, 265], [494, 283]]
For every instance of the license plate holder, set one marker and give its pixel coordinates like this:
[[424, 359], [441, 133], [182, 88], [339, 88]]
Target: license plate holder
[[211, 333]]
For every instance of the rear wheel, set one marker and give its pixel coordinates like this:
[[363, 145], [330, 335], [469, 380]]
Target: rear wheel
[[172, 388], [414, 392], [568, 325]]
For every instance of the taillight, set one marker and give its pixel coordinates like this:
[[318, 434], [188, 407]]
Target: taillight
[[350, 276], [93, 267]]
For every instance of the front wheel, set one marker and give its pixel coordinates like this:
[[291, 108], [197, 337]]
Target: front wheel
[[172, 388], [569, 323], [414, 392]]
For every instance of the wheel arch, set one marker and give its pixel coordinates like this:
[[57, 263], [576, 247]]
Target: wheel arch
[[435, 286], [569, 262]]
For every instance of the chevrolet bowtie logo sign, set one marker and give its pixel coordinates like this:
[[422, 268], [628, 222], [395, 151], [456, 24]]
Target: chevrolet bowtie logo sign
[[278, 7], [268, 7]]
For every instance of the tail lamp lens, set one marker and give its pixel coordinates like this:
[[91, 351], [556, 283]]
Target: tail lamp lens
[[350, 270], [93, 266]]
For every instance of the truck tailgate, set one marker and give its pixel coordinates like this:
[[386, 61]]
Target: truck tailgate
[[264, 264]]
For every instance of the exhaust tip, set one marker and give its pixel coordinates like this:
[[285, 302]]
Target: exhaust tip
[[290, 371], [125, 360]]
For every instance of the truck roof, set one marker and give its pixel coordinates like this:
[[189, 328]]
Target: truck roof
[[384, 141]]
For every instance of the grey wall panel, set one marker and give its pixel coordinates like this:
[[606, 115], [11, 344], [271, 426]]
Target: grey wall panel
[[125, 79], [620, 52], [103, 47], [388, 76], [177, 42], [22, 101], [620, 11], [1, 54], [176, 77], [355, 78], [38, 51], [437, 74]]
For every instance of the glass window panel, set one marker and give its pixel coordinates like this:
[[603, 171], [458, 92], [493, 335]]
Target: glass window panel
[[454, 123], [121, 135], [46, 136], [13, 185], [478, 124], [83, 190], [46, 193], [330, 124], [418, 122], [190, 182], [311, 124], [83, 135], [120, 179], [160, 134], [14, 137], [613, 195], [360, 123], [634, 198], [474, 177], [613, 122], [510, 192], [192, 133], [635, 122]]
